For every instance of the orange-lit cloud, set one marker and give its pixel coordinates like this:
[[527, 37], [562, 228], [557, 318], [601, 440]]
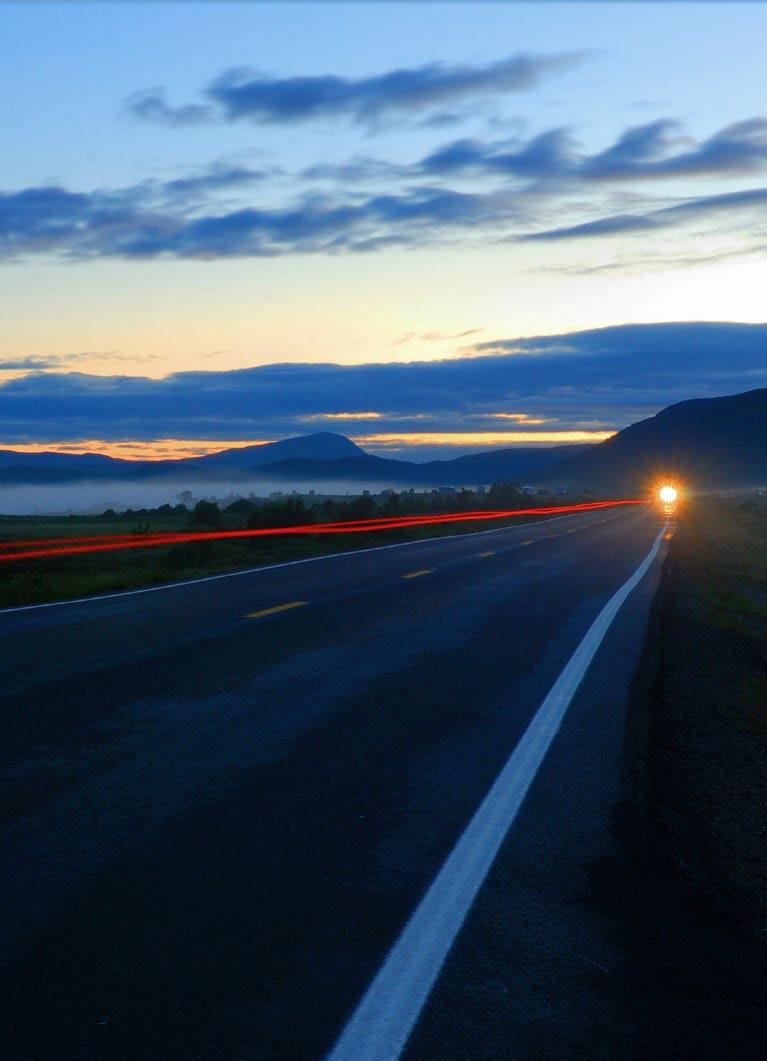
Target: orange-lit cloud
[[518, 418], [480, 438], [315, 417], [151, 449]]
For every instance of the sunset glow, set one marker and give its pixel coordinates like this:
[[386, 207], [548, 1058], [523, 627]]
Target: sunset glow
[[482, 438], [150, 449], [428, 248]]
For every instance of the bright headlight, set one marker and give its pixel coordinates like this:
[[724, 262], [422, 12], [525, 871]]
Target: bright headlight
[[668, 495]]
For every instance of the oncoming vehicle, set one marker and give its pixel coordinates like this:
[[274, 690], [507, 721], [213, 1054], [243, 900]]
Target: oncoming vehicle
[[668, 496]]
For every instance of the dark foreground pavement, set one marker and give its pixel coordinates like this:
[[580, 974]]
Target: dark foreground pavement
[[214, 826]]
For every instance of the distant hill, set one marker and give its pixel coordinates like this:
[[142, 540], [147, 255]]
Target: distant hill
[[495, 465], [708, 442], [320, 446], [238, 463], [515, 463], [323, 456], [47, 467]]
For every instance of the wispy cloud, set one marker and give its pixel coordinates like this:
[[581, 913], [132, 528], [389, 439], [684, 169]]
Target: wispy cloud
[[117, 224], [653, 151], [210, 213], [246, 95], [706, 206], [434, 337], [32, 363]]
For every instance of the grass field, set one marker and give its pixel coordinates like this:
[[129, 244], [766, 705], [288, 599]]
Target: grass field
[[709, 740], [63, 578], [685, 885]]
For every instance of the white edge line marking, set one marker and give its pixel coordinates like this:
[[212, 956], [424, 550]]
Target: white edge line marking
[[380, 1026], [291, 563]]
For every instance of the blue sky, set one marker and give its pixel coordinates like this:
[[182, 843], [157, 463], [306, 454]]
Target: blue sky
[[209, 188]]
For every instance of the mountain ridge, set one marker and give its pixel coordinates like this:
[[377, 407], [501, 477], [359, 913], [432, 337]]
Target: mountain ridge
[[333, 457], [706, 441]]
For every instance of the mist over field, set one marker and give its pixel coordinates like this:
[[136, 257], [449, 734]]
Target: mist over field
[[95, 497]]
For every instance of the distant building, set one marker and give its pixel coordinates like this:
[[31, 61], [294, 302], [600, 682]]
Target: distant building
[[561, 491], [528, 490], [446, 489]]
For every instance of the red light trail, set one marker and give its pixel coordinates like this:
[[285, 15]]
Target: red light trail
[[38, 548]]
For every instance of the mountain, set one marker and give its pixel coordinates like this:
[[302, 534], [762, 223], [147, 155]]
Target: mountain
[[515, 463], [48, 467], [323, 456], [321, 446], [706, 442], [16, 467], [233, 464], [495, 465]]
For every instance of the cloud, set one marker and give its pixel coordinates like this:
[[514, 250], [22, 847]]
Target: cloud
[[82, 226], [312, 418], [247, 95], [603, 226], [217, 177], [209, 213], [150, 105], [33, 363], [593, 380], [652, 151], [698, 208], [434, 337], [121, 224], [549, 155]]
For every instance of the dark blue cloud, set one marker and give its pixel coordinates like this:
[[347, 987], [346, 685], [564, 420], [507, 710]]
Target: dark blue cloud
[[652, 151], [549, 155], [243, 94], [589, 380], [217, 178], [33, 363], [140, 222], [193, 216]]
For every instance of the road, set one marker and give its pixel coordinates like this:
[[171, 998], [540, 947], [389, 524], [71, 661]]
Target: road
[[222, 801]]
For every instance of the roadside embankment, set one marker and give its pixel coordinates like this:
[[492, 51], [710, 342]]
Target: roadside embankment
[[686, 890], [706, 768]]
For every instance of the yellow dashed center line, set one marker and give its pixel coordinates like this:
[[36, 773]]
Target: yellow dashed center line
[[417, 574], [273, 611], [488, 553]]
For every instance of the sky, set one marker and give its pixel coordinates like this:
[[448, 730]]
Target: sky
[[224, 223]]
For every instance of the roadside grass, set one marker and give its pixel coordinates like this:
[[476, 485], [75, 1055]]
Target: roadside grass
[[709, 752], [685, 882], [64, 578], [731, 545]]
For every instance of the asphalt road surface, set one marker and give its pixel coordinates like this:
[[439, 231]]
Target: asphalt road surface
[[222, 801]]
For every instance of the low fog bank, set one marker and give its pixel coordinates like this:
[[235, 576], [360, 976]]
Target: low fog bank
[[87, 498]]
